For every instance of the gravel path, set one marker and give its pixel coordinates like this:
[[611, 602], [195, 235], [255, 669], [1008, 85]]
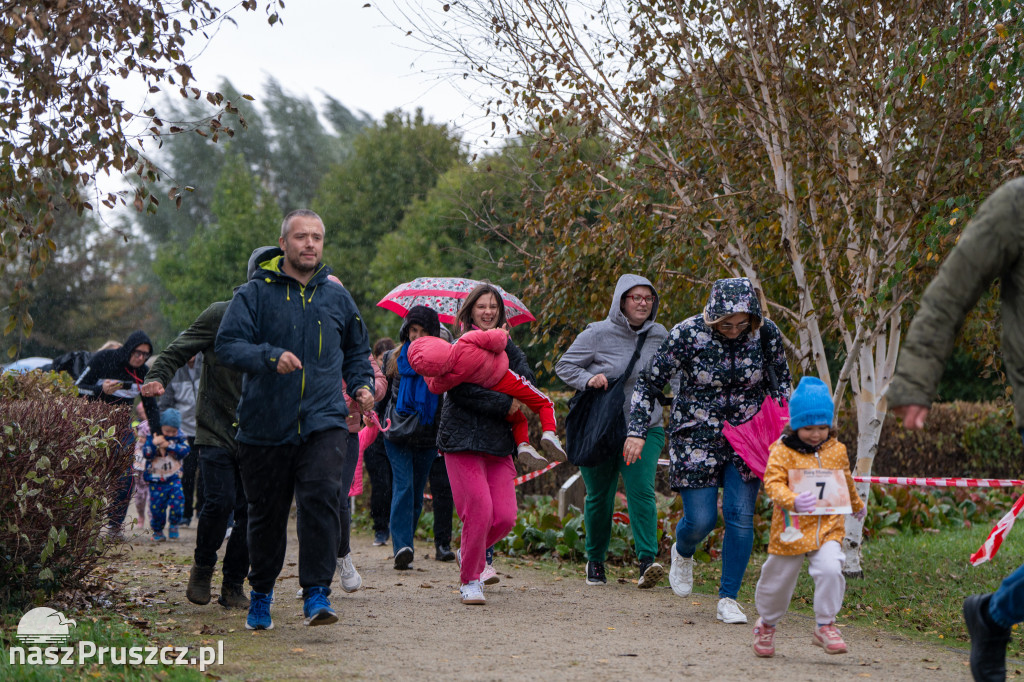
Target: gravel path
[[535, 625]]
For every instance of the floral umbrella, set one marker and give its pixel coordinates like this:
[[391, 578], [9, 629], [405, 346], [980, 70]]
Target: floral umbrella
[[751, 439], [445, 295]]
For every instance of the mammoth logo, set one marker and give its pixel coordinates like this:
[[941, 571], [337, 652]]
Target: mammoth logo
[[44, 626]]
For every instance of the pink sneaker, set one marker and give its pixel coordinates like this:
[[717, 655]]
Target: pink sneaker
[[489, 576], [764, 639], [829, 639]]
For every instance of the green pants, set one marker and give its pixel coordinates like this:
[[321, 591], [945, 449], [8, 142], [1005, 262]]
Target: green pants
[[602, 482]]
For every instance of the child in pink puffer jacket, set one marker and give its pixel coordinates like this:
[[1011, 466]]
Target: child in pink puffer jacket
[[478, 357]]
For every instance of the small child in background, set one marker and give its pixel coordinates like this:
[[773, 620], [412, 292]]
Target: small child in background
[[140, 495], [808, 443], [164, 453], [478, 357]]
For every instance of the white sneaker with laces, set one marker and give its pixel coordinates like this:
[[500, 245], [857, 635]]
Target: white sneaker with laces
[[530, 458], [730, 612], [472, 593], [680, 574], [489, 576], [350, 578], [552, 446]]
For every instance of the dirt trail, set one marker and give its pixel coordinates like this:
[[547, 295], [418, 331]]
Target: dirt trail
[[411, 625]]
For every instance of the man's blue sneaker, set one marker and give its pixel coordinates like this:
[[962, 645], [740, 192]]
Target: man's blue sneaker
[[317, 608], [259, 611]]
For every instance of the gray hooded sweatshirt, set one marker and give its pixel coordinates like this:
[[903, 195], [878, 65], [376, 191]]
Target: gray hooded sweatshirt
[[605, 347]]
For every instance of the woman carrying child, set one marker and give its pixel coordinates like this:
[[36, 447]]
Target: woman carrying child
[[808, 443]]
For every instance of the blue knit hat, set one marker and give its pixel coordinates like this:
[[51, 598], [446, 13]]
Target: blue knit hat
[[170, 417], [810, 404]]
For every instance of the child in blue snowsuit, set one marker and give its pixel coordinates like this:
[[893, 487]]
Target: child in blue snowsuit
[[164, 454]]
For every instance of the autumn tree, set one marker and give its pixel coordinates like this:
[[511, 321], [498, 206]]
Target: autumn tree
[[61, 124], [829, 152], [365, 197]]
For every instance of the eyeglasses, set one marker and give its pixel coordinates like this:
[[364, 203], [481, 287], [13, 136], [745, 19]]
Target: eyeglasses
[[140, 354], [728, 327], [638, 298]]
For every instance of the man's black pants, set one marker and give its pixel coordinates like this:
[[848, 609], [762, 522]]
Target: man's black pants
[[312, 471], [224, 495]]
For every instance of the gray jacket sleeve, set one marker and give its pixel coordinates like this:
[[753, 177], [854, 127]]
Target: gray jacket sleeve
[[572, 366]]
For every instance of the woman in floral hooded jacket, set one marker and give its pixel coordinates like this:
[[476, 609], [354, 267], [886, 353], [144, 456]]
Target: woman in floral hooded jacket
[[722, 357]]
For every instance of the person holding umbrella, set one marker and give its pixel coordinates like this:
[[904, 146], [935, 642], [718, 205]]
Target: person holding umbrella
[[724, 358], [477, 444]]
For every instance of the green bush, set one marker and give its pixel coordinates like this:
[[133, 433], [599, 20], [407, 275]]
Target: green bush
[[61, 463], [959, 439]]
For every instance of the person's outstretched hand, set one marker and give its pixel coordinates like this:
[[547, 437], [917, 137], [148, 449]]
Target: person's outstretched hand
[[913, 416], [153, 389], [805, 503]]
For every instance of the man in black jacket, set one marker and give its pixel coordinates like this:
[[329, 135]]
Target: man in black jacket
[[295, 336]]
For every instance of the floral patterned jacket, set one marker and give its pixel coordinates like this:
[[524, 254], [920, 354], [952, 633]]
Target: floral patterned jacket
[[721, 380]]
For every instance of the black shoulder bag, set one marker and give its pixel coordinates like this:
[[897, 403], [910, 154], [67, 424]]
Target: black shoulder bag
[[595, 430]]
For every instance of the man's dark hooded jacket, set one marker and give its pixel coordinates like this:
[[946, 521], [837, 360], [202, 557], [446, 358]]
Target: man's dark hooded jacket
[[319, 323], [114, 364]]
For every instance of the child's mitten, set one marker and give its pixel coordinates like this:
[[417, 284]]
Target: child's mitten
[[859, 515], [805, 503]]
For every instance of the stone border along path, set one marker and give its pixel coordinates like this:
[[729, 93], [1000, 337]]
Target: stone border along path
[[410, 625]]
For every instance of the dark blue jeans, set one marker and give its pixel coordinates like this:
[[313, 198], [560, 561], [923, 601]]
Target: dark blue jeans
[[410, 469], [224, 495], [312, 472], [700, 515], [1007, 604]]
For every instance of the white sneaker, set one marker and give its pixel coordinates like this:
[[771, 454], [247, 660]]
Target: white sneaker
[[730, 612], [299, 595], [680, 574], [530, 458], [489, 576], [350, 579], [552, 446], [472, 593]]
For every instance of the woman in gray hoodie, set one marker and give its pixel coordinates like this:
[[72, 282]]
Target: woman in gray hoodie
[[600, 352]]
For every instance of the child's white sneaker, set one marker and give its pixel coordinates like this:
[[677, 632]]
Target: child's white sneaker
[[552, 446], [530, 458], [472, 593]]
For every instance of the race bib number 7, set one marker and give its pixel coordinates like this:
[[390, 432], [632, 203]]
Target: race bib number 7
[[827, 485]]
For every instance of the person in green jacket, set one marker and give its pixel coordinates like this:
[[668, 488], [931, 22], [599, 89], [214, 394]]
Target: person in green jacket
[[220, 389], [989, 249]]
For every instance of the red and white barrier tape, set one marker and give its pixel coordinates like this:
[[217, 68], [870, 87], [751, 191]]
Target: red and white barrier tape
[[943, 482], [995, 537], [534, 474], [519, 480]]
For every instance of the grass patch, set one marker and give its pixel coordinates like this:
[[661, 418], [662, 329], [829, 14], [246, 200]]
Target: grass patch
[[103, 628]]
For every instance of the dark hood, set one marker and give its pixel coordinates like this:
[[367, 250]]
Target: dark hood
[[270, 270], [731, 296], [134, 340]]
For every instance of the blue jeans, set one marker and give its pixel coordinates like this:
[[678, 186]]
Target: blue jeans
[[700, 515], [410, 469]]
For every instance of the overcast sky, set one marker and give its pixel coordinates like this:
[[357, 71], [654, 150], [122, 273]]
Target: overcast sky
[[346, 50]]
